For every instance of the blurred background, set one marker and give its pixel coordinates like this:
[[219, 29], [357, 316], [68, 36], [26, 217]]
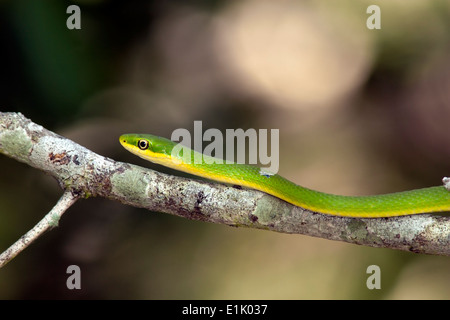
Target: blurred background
[[359, 111]]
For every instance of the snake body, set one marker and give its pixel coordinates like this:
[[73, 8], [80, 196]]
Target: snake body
[[159, 150]]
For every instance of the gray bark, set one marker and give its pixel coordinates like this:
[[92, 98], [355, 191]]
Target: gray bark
[[85, 174]]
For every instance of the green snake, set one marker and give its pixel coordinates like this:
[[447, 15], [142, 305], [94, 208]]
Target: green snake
[[160, 150]]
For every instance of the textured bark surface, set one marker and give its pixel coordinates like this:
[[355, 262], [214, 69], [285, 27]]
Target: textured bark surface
[[85, 174]]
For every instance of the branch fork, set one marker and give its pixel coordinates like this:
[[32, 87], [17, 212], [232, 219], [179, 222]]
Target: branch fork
[[83, 173]]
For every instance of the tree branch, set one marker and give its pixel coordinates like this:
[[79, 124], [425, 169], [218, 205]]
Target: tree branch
[[85, 173], [49, 221]]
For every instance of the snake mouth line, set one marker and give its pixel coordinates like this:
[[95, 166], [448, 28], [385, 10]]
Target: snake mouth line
[[159, 150]]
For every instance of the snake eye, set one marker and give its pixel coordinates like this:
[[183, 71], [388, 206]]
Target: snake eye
[[142, 144]]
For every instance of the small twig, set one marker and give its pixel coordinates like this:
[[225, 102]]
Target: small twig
[[50, 221], [446, 181], [87, 174]]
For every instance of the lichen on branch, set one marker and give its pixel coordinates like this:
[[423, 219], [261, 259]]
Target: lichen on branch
[[84, 173]]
